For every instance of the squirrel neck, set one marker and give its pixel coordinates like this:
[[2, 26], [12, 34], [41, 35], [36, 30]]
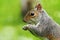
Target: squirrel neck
[[44, 18]]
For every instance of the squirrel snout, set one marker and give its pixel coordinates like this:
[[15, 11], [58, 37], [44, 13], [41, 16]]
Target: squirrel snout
[[24, 20]]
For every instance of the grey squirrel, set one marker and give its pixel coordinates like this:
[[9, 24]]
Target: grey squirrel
[[41, 24]]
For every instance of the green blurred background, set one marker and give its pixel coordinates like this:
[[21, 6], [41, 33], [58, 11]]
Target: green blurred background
[[11, 21]]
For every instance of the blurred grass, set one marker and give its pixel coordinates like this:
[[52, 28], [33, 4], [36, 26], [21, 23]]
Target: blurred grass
[[11, 21]]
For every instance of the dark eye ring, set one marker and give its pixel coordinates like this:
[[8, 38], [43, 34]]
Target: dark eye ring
[[32, 14]]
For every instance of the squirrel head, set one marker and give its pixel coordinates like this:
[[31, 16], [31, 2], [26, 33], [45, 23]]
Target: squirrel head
[[33, 16]]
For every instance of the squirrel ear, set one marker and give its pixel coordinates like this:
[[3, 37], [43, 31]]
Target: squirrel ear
[[38, 7]]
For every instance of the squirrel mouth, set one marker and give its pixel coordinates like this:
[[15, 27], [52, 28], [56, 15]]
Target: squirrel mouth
[[30, 22]]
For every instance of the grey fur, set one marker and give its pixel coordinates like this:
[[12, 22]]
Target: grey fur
[[46, 25]]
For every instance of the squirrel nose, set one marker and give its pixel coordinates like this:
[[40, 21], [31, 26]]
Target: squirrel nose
[[24, 20]]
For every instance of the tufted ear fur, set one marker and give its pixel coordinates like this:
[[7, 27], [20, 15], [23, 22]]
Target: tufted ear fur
[[39, 7]]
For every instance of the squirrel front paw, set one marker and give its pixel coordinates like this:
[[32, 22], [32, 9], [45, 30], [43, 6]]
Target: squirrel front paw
[[26, 27]]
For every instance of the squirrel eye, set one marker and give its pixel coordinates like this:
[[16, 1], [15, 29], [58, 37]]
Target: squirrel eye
[[32, 14]]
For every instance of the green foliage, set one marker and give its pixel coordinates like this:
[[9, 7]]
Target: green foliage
[[11, 21]]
